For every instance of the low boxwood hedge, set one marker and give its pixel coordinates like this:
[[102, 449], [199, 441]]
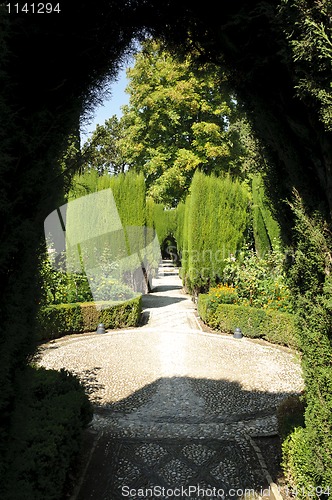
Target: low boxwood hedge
[[64, 319], [274, 326]]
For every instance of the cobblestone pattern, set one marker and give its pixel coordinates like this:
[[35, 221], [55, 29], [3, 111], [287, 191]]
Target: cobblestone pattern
[[210, 469]]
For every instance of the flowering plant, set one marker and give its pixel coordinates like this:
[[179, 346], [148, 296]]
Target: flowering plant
[[222, 294], [254, 281]]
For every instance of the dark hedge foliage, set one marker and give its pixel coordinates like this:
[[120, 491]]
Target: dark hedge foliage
[[48, 420], [308, 450], [265, 228], [290, 415]]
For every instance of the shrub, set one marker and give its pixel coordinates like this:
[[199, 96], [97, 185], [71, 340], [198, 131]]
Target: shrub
[[311, 284], [290, 414], [59, 287], [46, 433], [260, 282], [64, 319], [297, 465], [108, 289], [60, 319], [122, 315], [274, 326]]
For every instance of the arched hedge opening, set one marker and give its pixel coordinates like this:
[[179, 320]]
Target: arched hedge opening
[[169, 249], [278, 59]]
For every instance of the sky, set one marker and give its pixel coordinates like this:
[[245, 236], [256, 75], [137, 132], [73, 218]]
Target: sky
[[111, 106]]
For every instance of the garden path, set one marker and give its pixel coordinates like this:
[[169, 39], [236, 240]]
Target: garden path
[[176, 407]]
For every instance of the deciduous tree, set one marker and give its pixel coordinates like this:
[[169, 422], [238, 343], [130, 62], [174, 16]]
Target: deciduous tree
[[102, 152], [178, 120]]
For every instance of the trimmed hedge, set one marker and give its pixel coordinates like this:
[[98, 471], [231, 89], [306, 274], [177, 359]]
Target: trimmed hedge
[[274, 326], [215, 221], [49, 417], [64, 319]]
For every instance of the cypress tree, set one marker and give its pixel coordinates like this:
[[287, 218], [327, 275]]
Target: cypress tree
[[111, 223], [179, 233], [215, 220], [184, 249], [197, 228]]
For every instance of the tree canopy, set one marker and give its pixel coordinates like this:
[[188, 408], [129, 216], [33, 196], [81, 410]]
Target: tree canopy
[[101, 151], [181, 117]]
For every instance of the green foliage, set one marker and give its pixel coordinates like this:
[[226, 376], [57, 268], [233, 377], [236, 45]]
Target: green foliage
[[260, 282], [60, 287], [312, 257], [180, 226], [106, 288], [101, 151], [124, 224], [130, 197], [298, 467], [64, 319], [308, 450], [290, 415], [60, 319], [215, 219], [123, 315], [164, 220], [266, 229], [273, 326], [309, 34], [46, 433], [262, 242], [181, 117]]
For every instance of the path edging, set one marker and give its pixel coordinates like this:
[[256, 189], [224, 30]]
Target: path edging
[[273, 488]]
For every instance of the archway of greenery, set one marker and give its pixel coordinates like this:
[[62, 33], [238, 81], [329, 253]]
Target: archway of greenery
[[278, 59], [169, 249]]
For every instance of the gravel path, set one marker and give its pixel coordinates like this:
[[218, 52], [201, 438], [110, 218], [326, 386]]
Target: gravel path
[[171, 380]]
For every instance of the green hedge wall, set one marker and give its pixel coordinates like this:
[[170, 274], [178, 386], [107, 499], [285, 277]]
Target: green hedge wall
[[215, 221], [307, 452], [64, 319], [49, 417], [274, 326]]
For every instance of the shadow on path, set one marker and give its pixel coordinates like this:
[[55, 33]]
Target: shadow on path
[[165, 288], [191, 400], [154, 301], [179, 433], [170, 273]]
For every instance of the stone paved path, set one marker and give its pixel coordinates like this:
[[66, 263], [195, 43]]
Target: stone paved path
[[176, 407]]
